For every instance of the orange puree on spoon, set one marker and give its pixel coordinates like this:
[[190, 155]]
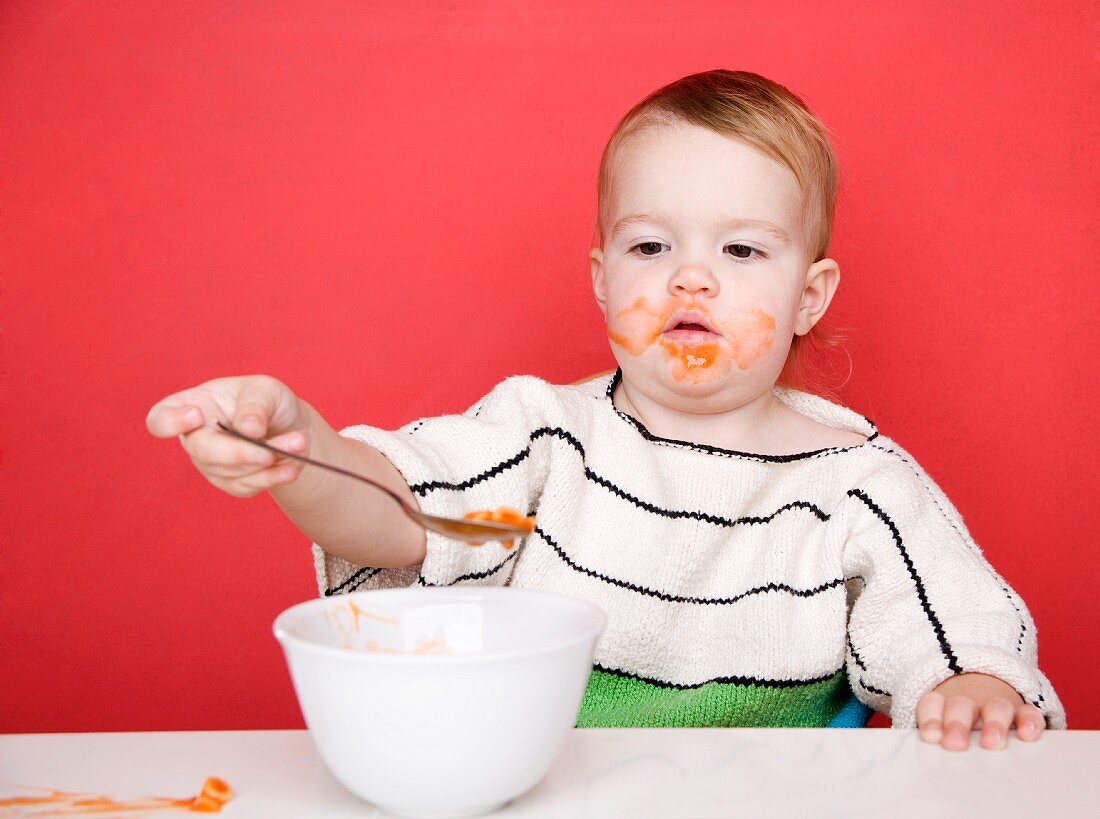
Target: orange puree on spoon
[[504, 514]]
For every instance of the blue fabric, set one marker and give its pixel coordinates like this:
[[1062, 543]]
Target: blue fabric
[[854, 714]]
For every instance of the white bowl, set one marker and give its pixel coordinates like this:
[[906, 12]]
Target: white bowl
[[440, 702]]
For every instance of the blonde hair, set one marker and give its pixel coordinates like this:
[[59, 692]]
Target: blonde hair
[[766, 116]]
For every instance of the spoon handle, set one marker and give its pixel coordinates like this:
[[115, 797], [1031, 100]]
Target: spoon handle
[[258, 442]]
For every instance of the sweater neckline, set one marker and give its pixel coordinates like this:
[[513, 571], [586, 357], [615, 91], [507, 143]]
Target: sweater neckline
[[808, 404]]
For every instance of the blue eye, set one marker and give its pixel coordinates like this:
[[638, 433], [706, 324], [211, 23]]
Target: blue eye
[[748, 251], [654, 247]]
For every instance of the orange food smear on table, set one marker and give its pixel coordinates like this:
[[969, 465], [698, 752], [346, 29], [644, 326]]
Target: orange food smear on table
[[504, 514], [215, 793]]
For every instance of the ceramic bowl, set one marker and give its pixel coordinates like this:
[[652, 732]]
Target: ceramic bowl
[[440, 702]]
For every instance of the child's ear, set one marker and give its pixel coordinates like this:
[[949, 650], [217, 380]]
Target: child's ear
[[599, 286], [821, 282]]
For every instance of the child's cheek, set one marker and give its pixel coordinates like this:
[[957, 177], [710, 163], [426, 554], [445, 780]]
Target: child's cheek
[[748, 335], [635, 328], [751, 335]]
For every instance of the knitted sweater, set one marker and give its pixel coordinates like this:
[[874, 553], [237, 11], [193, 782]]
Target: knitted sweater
[[740, 589]]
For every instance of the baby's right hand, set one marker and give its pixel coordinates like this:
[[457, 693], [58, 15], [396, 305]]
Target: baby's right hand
[[257, 405]]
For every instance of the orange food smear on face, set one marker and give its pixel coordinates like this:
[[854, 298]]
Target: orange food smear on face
[[751, 336], [744, 340], [215, 793], [690, 358], [637, 327], [504, 514]]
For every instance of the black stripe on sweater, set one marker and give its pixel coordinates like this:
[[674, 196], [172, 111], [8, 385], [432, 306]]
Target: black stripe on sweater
[[542, 432], [703, 516], [727, 453], [859, 661], [362, 576], [472, 575], [422, 489], [425, 488], [675, 598], [855, 655], [937, 627], [947, 518], [762, 683], [872, 689], [1038, 703]]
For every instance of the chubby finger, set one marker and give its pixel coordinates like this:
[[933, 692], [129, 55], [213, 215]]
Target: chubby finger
[[1030, 722], [246, 481], [294, 442], [256, 404], [211, 449], [997, 715], [930, 717], [959, 714], [277, 475], [169, 420]]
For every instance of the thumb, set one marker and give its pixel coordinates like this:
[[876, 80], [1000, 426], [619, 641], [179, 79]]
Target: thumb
[[167, 421]]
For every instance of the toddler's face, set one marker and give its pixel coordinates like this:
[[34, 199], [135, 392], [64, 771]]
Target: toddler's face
[[703, 274]]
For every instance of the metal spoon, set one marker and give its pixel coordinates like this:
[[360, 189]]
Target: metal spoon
[[472, 531]]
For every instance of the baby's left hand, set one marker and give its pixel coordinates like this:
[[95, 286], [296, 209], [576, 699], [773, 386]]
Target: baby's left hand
[[959, 701]]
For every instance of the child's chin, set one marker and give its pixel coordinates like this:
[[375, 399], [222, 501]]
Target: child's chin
[[694, 383], [697, 385], [702, 375], [676, 379]]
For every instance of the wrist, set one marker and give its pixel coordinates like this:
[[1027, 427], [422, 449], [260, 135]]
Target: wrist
[[975, 681], [322, 443]]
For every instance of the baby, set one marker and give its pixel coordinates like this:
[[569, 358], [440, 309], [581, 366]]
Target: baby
[[762, 553]]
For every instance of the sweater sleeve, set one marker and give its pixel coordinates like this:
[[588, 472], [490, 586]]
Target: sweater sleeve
[[927, 604], [487, 457]]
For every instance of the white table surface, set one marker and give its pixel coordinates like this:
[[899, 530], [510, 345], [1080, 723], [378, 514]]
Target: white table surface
[[652, 772]]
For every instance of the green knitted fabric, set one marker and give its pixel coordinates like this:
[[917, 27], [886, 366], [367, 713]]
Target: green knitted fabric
[[613, 701]]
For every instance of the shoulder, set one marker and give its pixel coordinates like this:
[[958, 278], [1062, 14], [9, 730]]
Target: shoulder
[[533, 396], [826, 413], [891, 478], [878, 459], [796, 432], [887, 459]]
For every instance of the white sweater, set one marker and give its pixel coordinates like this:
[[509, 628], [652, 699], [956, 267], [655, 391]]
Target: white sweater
[[741, 589]]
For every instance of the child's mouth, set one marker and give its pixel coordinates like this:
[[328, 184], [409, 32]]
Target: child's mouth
[[689, 329]]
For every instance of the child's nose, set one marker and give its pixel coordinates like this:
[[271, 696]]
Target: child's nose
[[690, 279]]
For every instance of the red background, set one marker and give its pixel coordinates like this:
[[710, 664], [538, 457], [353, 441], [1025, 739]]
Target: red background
[[388, 206]]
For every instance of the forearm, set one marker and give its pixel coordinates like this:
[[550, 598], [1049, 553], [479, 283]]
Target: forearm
[[345, 517]]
